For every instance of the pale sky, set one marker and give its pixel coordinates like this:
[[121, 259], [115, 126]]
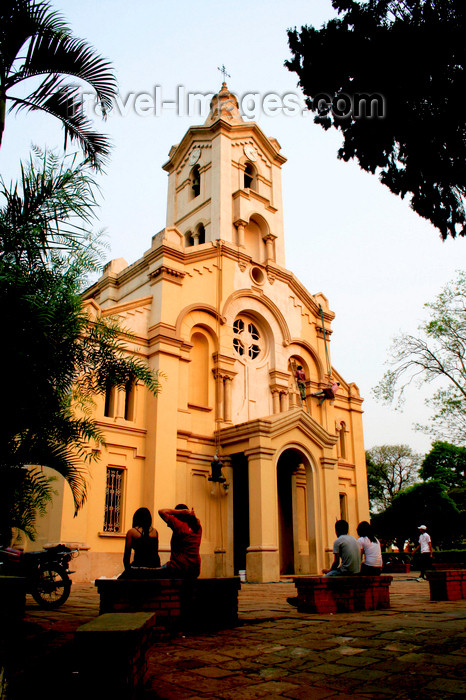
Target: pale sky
[[346, 235]]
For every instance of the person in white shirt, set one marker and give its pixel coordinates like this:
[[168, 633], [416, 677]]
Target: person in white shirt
[[425, 545], [370, 548]]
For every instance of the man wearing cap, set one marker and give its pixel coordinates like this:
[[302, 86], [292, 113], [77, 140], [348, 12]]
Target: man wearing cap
[[425, 545]]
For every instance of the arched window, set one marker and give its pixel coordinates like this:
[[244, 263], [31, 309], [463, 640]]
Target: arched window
[[130, 393], [343, 507], [196, 181], [343, 440], [249, 176], [109, 406], [195, 238], [200, 234], [199, 371]]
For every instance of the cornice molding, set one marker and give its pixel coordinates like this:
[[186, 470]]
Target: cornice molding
[[252, 194], [168, 253], [127, 306], [169, 274], [204, 132]]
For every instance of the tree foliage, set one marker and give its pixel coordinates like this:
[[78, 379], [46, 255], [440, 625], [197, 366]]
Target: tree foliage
[[437, 354], [411, 54], [55, 356], [421, 504], [35, 42], [390, 469], [445, 463]]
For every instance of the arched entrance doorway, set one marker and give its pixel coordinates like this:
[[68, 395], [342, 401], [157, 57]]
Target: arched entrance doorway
[[295, 500]]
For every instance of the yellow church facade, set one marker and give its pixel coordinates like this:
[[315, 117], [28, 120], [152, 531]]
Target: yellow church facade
[[212, 307]]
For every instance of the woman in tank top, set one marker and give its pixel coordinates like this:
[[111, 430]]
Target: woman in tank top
[[143, 539]]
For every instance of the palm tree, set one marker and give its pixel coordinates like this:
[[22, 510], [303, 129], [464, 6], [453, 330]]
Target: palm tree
[[36, 43], [54, 357]]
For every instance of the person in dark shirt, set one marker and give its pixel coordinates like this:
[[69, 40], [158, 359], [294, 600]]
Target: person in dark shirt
[[143, 540], [185, 560], [301, 381], [329, 392]]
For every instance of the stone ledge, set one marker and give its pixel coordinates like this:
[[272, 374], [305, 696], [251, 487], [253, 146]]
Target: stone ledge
[[330, 594], [447, 585], [205, 603], [112, 654]]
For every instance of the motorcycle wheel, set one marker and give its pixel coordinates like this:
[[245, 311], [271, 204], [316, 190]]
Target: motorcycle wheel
[[53, 588]]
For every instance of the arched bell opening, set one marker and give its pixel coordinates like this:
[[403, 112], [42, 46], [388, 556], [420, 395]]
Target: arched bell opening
[[195, 182], [250, 176], [255, 232]]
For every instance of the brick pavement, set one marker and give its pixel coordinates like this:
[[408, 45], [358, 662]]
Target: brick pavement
[[414, 650]]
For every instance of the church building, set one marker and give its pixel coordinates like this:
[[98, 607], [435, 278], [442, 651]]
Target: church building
[[235, 432]]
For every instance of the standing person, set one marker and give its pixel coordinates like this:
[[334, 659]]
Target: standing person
[[143, 539], [371, 549], [185, 560], [346, 553], [425, 545]]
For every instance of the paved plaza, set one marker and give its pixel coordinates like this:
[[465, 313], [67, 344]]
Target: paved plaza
[[416, 649]]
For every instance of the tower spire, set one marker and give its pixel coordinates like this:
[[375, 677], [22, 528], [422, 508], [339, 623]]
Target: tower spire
[[223, 71], [224, 105]]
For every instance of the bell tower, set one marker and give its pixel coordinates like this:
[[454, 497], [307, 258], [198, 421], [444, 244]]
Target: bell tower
[[225, 183]]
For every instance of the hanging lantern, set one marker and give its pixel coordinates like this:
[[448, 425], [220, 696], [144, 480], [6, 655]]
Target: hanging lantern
[[216, 470]]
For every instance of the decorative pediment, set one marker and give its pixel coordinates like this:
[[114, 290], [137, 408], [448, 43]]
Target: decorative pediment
[[277, 425], [312, 430]]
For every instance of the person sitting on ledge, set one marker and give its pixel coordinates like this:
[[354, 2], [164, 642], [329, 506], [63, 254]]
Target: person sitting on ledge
[[185, 560], [327, 393], [370, 548], [346, 549], [143, 539]]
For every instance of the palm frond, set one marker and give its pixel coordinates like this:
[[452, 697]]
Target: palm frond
[[65, 104], [51, 51], [55, 55]]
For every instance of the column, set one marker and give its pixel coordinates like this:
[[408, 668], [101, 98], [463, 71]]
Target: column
[[227, 399], [262, 558], [276, 401], [283, 401], [240, 226], [220, 397], [269, 239]]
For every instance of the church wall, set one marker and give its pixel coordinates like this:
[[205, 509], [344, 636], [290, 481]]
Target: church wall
[[185, 305]]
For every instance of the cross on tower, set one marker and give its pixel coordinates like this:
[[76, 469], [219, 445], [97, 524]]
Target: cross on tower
[[223, 70]]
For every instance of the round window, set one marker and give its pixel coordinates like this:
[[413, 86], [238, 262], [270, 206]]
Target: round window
[[247, 341], [257, 275]]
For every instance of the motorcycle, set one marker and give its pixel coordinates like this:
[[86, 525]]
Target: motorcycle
[[47, 572]]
